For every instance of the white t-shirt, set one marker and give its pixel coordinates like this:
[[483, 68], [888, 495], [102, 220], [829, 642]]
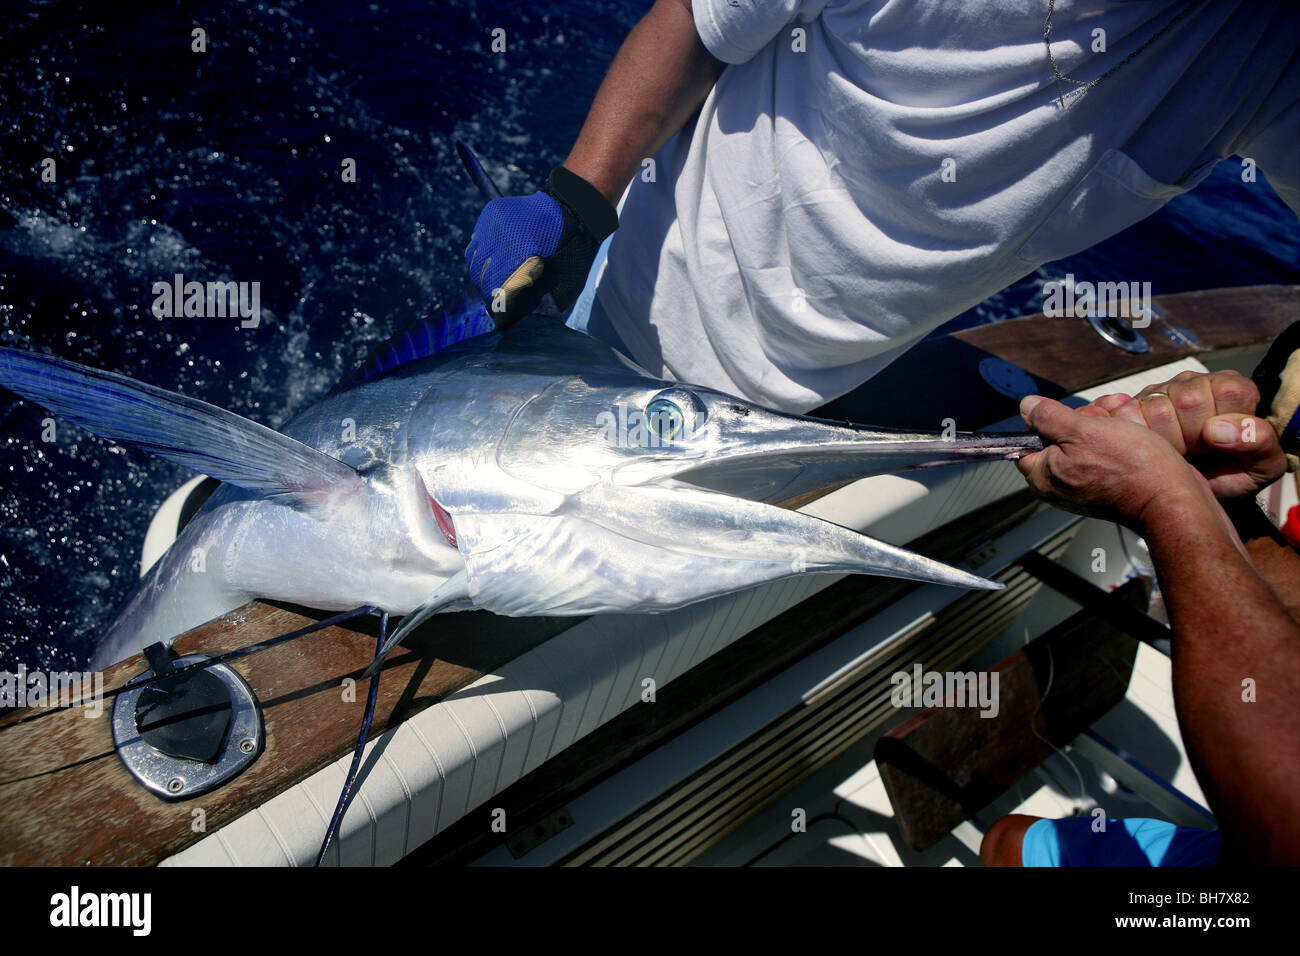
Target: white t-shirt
[[865, 170]]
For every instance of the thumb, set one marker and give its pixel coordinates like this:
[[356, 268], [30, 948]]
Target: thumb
[[1251, 439], [1238, 433], [1049, 418], [519, 294]]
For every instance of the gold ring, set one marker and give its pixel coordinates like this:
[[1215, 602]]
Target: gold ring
[[1157, 395]]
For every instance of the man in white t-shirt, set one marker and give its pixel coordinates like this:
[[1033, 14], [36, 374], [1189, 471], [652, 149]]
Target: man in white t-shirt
[[808, 187]]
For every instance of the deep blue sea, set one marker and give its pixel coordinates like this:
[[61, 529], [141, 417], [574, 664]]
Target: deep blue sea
[[225, 165]]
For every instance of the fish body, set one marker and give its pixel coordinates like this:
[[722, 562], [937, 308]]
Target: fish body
[[533, 471]]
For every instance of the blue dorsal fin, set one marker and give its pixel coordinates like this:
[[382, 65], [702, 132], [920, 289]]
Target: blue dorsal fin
[[435, 332], [439, 329]]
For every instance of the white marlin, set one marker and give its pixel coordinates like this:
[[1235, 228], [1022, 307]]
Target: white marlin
[[490, 475]]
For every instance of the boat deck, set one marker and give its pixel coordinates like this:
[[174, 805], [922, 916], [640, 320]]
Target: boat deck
[[851, 822]]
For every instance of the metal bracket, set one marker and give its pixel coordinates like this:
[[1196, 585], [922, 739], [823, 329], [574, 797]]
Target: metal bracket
[[169, 775], [1135, 623], [1119, 332], [1184, 338]]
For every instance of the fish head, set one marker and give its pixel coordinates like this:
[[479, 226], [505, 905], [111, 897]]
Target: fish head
[[599, 492]]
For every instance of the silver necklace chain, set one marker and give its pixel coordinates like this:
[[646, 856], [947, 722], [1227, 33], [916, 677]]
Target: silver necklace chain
[[1084, 86]]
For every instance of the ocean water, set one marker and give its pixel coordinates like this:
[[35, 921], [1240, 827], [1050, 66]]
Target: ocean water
[[226, 165]]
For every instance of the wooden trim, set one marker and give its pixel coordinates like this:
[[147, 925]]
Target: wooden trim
[[1066, 352], [66, 799], [1063, 355]]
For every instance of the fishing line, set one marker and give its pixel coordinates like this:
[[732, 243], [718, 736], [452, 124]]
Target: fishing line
[[351, 778], [1051, 674], [210, 662]]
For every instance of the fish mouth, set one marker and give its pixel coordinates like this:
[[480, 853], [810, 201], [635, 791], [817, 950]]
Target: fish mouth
[[732, 497], [774, 457], [762, 540]]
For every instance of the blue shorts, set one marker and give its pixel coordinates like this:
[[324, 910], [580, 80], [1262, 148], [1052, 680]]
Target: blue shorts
[[1134, 842]]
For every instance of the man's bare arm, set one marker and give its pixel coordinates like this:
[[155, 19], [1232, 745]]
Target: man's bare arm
[[1231, 633], [1229, 628], [656, 83], [1274, 558]]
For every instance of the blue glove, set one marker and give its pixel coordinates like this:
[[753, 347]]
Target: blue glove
[[526, 246]]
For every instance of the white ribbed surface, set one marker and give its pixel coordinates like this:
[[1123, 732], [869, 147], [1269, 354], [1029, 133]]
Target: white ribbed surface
[[427, 773]]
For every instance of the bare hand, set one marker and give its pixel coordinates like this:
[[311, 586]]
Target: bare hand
[[1101, 465], [1209, 418]]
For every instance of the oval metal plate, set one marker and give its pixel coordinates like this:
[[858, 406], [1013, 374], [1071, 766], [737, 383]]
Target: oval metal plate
[[175, 778], [1119, 333]]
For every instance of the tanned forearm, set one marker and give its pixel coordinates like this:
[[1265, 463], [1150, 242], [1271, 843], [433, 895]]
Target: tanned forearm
[[1274, 558], [1229, 627], [656, 83]]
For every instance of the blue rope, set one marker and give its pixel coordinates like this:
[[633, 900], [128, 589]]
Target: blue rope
[[371, 697], [205, 664]]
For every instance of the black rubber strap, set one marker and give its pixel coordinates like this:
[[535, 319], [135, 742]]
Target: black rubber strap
[[585, 200]]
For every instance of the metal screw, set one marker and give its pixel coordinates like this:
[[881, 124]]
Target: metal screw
[[246, 745], [175, 784]]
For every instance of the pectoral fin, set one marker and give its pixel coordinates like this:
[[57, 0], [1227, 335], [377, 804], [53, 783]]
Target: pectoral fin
[[455, 588], [208, 439]]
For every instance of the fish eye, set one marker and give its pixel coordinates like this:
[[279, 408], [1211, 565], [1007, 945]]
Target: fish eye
[[675, 413], [665, 418]]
